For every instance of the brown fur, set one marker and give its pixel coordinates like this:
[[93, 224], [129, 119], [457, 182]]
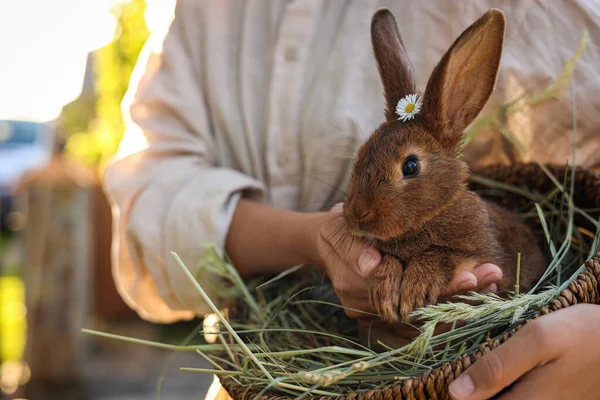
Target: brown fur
[[427, 225]]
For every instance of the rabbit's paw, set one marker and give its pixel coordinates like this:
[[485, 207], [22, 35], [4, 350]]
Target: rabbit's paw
[[418, 290], [384, 288]]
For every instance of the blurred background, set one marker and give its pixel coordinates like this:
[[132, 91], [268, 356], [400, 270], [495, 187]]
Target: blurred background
[[66, 67]]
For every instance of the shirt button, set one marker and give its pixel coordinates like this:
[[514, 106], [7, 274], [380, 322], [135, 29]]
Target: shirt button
[[291, 54]]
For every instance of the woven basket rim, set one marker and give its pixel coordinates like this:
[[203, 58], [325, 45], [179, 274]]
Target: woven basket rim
[[434, 383]]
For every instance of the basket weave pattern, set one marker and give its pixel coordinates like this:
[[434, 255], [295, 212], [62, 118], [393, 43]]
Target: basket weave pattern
[[434, 383]]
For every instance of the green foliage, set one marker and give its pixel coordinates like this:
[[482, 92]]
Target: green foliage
[[76, 116], [113, 64]]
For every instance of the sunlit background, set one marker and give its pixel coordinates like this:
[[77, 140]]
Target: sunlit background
[[44, 47], [66, 65]]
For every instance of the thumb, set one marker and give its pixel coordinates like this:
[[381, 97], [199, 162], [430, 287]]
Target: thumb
[[363, 257], [367, 260], [504, 365]]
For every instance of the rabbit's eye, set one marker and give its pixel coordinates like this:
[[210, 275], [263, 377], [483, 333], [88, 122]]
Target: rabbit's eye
[[410, 167]]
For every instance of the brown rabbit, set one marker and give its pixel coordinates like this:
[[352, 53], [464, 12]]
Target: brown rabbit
[[408, 193]]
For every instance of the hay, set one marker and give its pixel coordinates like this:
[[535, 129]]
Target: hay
[[289, 336]]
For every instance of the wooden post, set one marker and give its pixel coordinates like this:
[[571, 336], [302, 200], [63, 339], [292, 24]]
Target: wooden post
[[108, 304], [57, 270]]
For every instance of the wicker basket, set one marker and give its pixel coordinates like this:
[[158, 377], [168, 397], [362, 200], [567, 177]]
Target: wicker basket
[[585, 289]]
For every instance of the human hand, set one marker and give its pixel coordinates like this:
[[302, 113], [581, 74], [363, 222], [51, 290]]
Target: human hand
[[555, 356], [469, 277], [348, 261]]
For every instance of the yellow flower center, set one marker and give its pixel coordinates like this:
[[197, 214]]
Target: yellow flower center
[[410, 107]]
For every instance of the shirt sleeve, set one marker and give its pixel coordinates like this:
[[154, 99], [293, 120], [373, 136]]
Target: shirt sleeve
[[165, 187]]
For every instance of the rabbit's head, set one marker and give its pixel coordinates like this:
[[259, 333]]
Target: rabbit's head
[[410, 169]]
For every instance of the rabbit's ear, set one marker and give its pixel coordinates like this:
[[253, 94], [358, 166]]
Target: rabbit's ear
[[464, 79], [394, 66]]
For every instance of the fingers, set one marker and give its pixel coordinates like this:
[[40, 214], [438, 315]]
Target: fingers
[[462, 282], [542, 384], [487, 274], [481, 278], [359, 309], [492, 288], [528, 348], [350, 286], [361, 256], [356, 253], [368, 260]]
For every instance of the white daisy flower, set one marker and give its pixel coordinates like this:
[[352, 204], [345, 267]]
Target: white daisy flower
[[408, 107]]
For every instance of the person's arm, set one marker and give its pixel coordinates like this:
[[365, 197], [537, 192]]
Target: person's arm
[[266, 240], [165, 185]]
